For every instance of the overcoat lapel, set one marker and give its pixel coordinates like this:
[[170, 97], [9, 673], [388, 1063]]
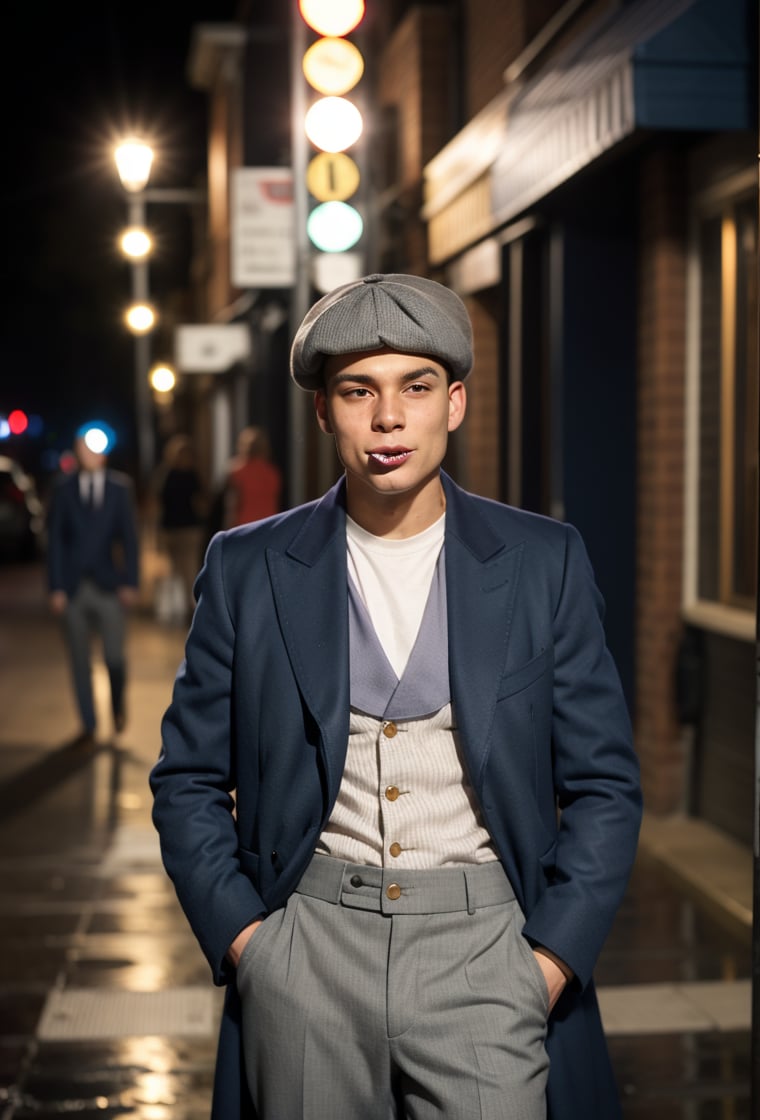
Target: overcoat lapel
[[309, 583], [310, 587], [482, 576]]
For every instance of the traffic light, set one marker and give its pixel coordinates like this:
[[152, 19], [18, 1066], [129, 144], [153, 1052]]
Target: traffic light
[[333, 66]]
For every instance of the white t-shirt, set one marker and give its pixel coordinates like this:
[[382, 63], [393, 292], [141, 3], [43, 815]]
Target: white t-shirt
[[91, 486], [393, 578]]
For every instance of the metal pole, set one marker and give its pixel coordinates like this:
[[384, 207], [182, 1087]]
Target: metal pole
[[143, 404], [299, 303], [754, 1091], [755, 1038]]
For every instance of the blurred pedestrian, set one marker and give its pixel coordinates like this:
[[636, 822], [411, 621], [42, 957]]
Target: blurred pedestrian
[[254, 483], [93, 574], [181, 507]]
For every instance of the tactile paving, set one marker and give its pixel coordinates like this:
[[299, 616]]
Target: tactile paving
[[77, 1014]]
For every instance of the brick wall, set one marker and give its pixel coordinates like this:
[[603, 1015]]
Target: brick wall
[[414, 81], [480, 469], [414, 76], [494, 35], [661, 380]]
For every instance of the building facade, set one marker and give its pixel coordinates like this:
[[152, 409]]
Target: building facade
[[584, 175]]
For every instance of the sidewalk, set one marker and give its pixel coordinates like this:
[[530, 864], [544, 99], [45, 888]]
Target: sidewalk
[[705, 863], [106, 1007], [105, 1003]]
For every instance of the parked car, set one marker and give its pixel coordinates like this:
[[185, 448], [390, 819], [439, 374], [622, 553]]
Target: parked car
[[22, 517]]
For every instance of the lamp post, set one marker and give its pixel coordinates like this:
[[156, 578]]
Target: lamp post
[[134, 159]]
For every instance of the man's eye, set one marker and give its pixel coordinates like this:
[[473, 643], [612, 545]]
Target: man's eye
[[419, 387], [359, 391]]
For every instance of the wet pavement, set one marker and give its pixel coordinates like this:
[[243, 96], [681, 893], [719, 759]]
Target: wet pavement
[[106, 1006]]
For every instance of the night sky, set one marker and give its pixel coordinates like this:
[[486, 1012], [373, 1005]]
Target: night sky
[[84, 75]]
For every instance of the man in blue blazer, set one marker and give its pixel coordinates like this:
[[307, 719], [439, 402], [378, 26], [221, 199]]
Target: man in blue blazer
[[397, 792], [93, 573]]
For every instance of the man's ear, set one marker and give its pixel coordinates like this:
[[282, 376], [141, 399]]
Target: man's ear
[[320, 407], [457, 404]]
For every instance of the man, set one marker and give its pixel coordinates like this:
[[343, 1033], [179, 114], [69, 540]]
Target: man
[[93, 574], [436, 796]]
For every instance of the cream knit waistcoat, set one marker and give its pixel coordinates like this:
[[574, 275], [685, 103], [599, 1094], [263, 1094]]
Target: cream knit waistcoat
[[404, 799]]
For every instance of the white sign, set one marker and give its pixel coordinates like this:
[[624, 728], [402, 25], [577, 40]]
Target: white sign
[[210, 347], [262, 227], [330, 270]]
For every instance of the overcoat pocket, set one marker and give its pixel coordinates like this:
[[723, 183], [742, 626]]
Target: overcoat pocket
[[525, 675]]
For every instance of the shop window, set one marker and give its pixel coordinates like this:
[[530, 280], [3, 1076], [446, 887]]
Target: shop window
[[727, 441]]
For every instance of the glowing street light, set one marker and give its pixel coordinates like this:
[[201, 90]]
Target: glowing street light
[[134, 159], [163, 378], [140, 318], [136, 243]]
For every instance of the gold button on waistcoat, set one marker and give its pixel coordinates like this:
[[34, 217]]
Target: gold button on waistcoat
[[390, 729], [393, 892], [392, 793], [395, 848]]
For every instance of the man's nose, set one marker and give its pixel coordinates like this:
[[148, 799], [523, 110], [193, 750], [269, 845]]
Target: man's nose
[[388, 414]]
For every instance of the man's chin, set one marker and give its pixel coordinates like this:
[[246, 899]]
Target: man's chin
[[396, 482]]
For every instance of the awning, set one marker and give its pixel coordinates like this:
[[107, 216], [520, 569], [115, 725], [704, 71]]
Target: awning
[[654, 64]]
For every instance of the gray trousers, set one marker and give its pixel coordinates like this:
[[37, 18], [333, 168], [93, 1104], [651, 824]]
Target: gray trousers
[[376, 995], [93, 610]]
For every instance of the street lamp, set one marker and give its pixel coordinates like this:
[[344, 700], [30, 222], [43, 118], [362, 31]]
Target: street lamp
[[163, 378], [134, 159], [135, 243], [140, 318]]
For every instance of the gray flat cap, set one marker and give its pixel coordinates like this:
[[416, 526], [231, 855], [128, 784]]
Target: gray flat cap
[[410, 314]]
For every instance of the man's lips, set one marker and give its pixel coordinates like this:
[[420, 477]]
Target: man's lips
[[390, 456]]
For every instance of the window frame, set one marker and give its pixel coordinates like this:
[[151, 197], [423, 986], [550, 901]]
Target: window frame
[[729, 613]]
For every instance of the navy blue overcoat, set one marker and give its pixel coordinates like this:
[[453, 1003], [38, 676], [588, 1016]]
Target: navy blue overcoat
[[100, 543], [261, 707]]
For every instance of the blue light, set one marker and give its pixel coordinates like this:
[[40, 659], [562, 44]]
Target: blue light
[[98, 436]]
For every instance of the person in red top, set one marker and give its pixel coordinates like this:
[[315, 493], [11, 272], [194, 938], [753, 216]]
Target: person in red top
[[254, 483]]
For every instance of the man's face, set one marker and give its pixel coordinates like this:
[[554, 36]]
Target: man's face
[[391, 415], [88, 460]]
